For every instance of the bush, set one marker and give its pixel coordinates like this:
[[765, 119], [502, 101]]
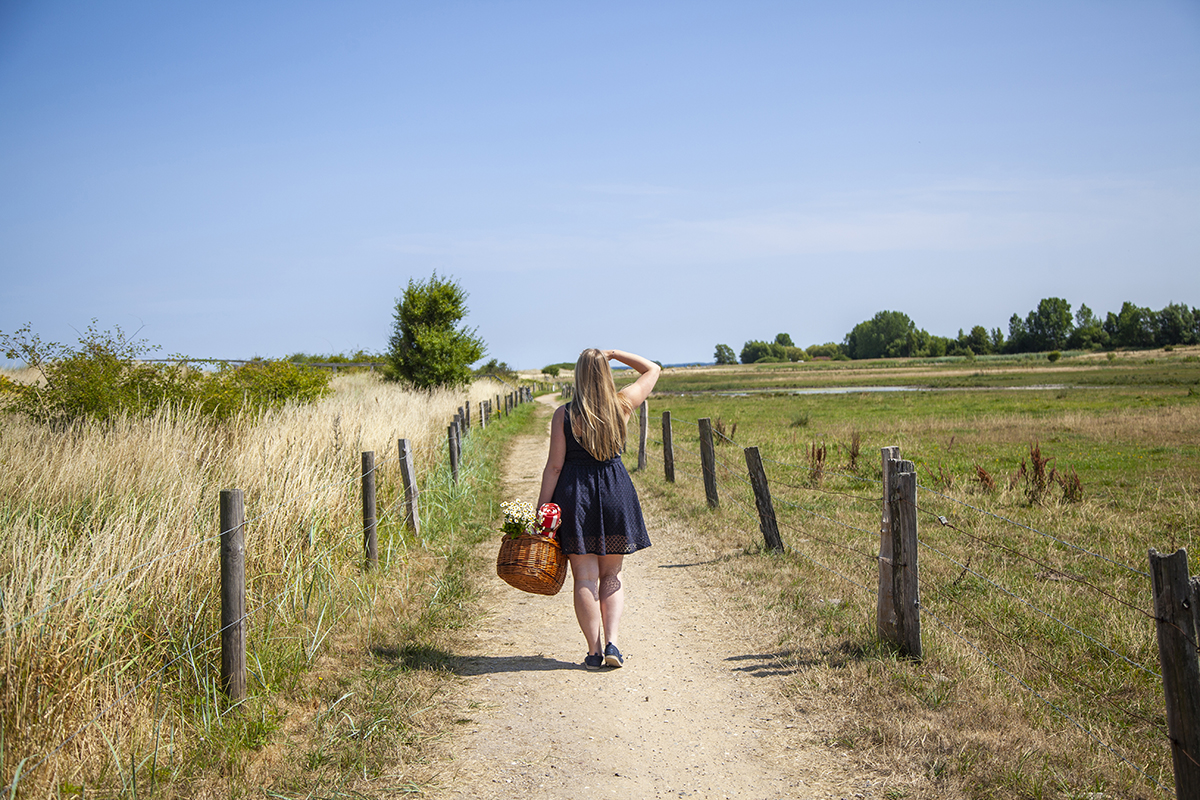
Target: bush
[[1053, 356], [551, 370], [103, 379]]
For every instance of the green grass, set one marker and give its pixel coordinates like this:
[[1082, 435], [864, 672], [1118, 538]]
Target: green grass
[[1135, 447]]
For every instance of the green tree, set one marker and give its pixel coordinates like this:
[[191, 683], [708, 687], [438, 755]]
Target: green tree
[[888, 333], [1132, 327], [428, 346], [1049, 326], [784, 339], [1176, 325], [756, 350], [1089, 331], [725, 355]]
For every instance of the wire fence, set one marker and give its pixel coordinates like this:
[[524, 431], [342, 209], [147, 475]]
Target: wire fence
[[1095, 635], [344, 536]]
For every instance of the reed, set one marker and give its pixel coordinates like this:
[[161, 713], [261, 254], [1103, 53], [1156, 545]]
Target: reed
[[108, 567]]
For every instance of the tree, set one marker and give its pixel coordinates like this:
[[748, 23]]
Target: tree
[[1132, 327], [888, 333], [784, 339], [725, 355], [1176, 325], [755, 350], [1049, 326], [1089, 331], [428, 347]]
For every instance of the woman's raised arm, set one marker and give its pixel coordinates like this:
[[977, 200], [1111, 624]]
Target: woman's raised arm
[[640, 389]]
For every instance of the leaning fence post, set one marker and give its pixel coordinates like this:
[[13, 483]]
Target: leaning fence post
[[643, 423], [885, 611], [409, 476], [905, 587], [452, 440], [708, 463], [1173, 601], [233, 594], [762, 500], [668, 449], [370, 524]]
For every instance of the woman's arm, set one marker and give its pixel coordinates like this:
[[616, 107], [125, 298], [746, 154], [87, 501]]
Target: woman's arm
[[640, 389], [554, 462]]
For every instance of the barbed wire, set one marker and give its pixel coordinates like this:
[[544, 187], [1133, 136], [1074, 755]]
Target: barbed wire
[[1047, 614], [1034, 530], [1074, 578], [1050, 667], [1036, 694]]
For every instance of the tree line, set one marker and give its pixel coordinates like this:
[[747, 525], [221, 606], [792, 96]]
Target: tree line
[[1050, 327]]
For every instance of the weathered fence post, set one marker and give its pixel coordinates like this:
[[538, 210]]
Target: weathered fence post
[[905, 587], [668, 448], [1173, 611], [708, 463], [409, 476], [452, 440], [233, 594], [467, 416], [643, 423], [762, 499], [370, 521], [885, 611]]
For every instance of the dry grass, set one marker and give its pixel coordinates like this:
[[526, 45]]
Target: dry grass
[[964, 722], [109, 570]]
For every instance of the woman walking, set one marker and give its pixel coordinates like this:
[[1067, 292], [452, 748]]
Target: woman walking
[[601, 516]]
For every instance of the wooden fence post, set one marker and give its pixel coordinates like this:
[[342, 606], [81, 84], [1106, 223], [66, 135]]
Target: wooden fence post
[[905, 586], [885, 611], [668, 448], [409, 476], [467, 416], [643, 423], [452, 441], [370, 521], [1173, 602], [762, 499], [708, 463], [233, 594]]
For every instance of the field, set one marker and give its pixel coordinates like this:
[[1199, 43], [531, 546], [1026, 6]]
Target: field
[[1040, 676], [109, 660]]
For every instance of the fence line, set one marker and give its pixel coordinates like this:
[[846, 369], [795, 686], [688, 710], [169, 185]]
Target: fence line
[[727, 473], [21, 771], [1038, 532]]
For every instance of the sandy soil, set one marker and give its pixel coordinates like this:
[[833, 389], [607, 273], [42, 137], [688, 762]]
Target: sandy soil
[[695, 712]]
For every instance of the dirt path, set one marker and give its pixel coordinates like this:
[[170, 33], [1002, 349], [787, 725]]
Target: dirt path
[[695, 712]]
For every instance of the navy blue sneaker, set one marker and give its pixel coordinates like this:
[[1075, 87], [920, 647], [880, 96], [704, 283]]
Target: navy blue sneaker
[[594, 661], [612, 656]]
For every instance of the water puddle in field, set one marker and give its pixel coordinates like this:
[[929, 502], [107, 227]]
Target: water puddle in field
[[1041, 387]]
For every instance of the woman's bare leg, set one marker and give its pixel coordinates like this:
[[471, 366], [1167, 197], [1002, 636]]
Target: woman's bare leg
[[612, 595], [585, 575]]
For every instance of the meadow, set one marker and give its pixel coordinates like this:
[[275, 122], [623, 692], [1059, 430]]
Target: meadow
[[109, 577], [1037, 508]]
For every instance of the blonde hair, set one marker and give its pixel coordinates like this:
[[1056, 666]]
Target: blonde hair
[[598, 411]]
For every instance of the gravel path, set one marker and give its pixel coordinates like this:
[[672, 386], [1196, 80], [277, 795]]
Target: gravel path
[[695, 712]]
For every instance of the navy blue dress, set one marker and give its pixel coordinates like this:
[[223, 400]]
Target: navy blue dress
[[600, 509]]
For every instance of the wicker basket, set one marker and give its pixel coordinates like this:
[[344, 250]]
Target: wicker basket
[[532, 563]]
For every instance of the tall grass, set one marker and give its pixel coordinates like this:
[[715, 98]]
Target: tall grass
[[108, 566], [1039, 677]]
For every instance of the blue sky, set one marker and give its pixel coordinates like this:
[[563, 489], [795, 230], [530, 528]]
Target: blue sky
[[240, 179]]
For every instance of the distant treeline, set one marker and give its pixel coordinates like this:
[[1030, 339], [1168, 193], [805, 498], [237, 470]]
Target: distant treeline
[[1049, 327]]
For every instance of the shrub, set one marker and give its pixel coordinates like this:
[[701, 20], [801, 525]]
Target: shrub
[[1053, 356], [103, 379]]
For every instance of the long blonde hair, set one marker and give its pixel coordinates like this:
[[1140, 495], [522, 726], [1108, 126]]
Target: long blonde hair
[[598, 411]]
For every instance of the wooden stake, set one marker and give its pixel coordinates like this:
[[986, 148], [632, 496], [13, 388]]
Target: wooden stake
[[233, 594]]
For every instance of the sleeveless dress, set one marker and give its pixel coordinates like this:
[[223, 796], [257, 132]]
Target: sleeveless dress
[[600, 509]]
